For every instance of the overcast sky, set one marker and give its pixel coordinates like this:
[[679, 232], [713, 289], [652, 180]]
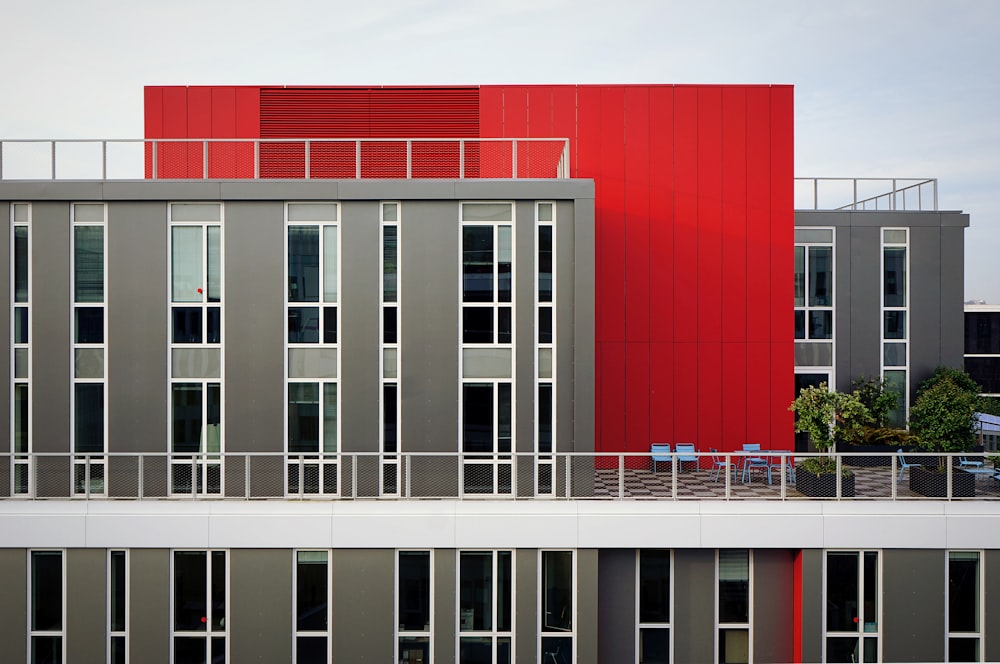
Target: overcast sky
[[883, 88]]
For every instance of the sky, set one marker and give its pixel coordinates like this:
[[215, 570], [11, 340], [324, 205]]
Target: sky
[[883, 88]]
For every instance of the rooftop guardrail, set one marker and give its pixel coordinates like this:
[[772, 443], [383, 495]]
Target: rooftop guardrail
[[866, 194], [300, 158]]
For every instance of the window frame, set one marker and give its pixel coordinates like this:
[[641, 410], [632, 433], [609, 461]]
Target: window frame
[[399, 634], [807, 308], [541, 600], [860, 634], [903, 406], [296, 632], [494, 634], [641, 626], [205, 304], [734, 626], [32, 633], [112, 633], [979, 634], [21, 461], [209, 633], [545, 462], [390, 475]]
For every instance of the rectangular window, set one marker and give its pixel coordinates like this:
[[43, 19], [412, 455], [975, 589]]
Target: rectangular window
[[487, 428], [312, 437], [118, 605], [47, 606], [814, 298], [200, 597], [389, 375], [312, 607], [20, 297], [196, 437], [895, 331], [852, 606], [557, 607], [965, 606], [196, 268], [734, 610], [414, 616], [545, 296], [485, 601], [653, 601], [313, 273]]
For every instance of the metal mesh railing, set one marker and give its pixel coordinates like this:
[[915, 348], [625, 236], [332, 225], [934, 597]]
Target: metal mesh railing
[[910, 194], [757, 475], [320, 158]]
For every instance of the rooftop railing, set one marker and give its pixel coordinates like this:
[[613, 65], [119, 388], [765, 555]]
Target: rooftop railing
[[758, 475], [866, 194], [264, 159]]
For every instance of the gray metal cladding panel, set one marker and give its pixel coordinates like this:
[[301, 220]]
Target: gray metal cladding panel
[[526, 604], [137, 327], [694, 610], [587, 620], [925, 270], [525, 255], [14, 607], [616, 605], [842, 306], [260, 594], [359, 318], [5, 369], [445, 610], [363, 605], [50, 302], [429, 303], [991, 574], [583, 328], [254, 327], [149, 606], [774, 590], [812, 605], [865, 303], [86, 612], [952, 295], [913, 587]]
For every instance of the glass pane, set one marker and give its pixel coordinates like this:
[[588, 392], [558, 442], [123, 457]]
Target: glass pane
[[218, 591], [389, 264], [475, 650], [477, 264], [800, 276], [88, 263], [475, 592], [894, 283], [544, 263], [505, 592], [841, 649], [329, 325], [46, 591], [654, 586], [820, 276], [504, 417], [557, 650], [20, 263], [190, 579], [963, 592], [187, 417], [303, 263], [303, 418], [389, 325], [896, 381], [414, 610], [187, 325], [895, 325], [894, 355], [414, 650], [557, 592], [734, 585], [504, 263], [186, 264], [544, 325], [214, 264], [303, 325], [21, 362], [477, 417], [214, 331], [821, 324], [189, 650], [389, 418], [963, 650], [21, 418], [544, 418], [195, 212], [390, 212], [800, 324], [389, 369], [310, 650], [734, 646], [815, 235], [83, 212], [311, 592], [213, 433], [487, 212], [894, 236], [842, 593], [89, 416], [118, 592], [118, 650], [654, 646], [89, 325], [46, 650], [330, 417], [504, 655], [545, 212], [869, 610], [504, 325], [477, 325], [21, 325], [330, 256]]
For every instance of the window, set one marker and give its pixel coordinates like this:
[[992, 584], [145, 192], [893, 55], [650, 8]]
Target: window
[[391, 327], [814, 293], [545, 340], [852, 606], [485, 607], [653, 606], [733, 607], [47, 606], [557, 607], [118, 606], [313, 272], [20, 232], [414, 617], [312, 607], [196, 437], [196, 268], [200, 598], [312, 437], [89, 318], [965, 606], [895, 329]]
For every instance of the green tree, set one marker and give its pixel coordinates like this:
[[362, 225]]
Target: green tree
[[878, 397], [829, 416], [944, 414]]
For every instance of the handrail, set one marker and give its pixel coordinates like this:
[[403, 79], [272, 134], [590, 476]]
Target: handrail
[[894, 198]]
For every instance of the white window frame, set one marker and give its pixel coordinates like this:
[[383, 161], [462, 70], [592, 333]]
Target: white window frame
[[904, 398], [84, 462], [540, 607], [980, 634], [21, 459], [205, 305], [719, 626], [123, 634], [61, 634], [308, 463], [203, 463], [429, 632], [296, 632], [388, 376], [209, 633], [830, 369], [545, 463], [493, 634], [861, 634], [641, 626]]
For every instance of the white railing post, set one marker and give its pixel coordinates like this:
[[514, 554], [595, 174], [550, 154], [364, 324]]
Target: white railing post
[[409, 159], [894, 203], [204, 159], [256, 159], [53, 144], [569, 477], [153, 159], [948, 477], [354, 476], [461, 473], [142, 473], [461, 159], [730, 469], [513, 158], [892, 476], [621, 476], [406, 482], [837, 479], [246, 476], [1, 160], [307, 156]]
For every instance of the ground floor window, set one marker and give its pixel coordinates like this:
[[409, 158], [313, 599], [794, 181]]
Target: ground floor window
[[852, 606], [47, 606], [118, 607], [312, 607], [485, 601], [653, 600], [733, 606], [200, 598], [965, 596], [557, 607], [414, 617]]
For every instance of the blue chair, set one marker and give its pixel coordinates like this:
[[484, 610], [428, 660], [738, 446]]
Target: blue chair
[[903, 465], [660, 453], [782, 461], [752, 463], [686, 453], [719, 464], [964, 462]]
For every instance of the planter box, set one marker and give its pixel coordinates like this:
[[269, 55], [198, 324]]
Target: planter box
[[823, 486], [934, 484]]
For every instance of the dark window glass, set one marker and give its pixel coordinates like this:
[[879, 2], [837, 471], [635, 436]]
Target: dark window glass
[[190, 605], [477, 417], [414, 649], [986, 372], [820, 276], [841, 649], [187, 325], [218, 608], [734, 646], [20, 263], [46, 591], [504, 417], [800, 324], [303, 325], [88, 263], [46, 650], [557, 593], [189, 650], [21, 419], [475, 650], [505, 591], [414, 591], [895, 324], [734, 585], [214, 264], [544, 418], [329, 325], [869, 615], [477, 264], [800, 276], [504, 325], [389, 417], [895, 277], [504, 264], [963, 592], [311, 591], [187, 417], [303, 418], [963, 650], [544, 263], [544, 325], [303, 263], [389, 335], [842, 592], [118, 593], [654, 586], [820, 324], [475, 592], [654, 646], [90, 325], [982, 332], [214, 325], [89, 415], [557, 649], [477, 325], [117, 650], [389, 263], [310, 650], [20, 325]]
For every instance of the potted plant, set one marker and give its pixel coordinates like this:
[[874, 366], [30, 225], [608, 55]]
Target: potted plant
[[877, 434], [827, 416], [944, 419]]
